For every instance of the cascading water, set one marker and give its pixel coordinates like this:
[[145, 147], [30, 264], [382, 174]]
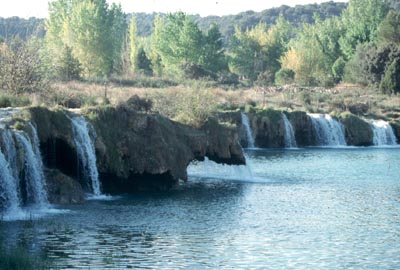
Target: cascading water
[[34, 175], [383, 133], [210, 169], [249, 135], [328, 131], [9, 196], [10, 152], [86, 152], [290, 139]]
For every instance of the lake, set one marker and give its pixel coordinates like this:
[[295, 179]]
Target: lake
[[308, 209]]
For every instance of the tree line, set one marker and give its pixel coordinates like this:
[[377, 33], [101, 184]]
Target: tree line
[[91, 39]]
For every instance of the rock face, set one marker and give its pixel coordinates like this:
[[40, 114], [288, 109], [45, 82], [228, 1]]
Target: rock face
[[135, 150], [63, 189], [396, 130], [268, 128], [302, 127], [358, 132]]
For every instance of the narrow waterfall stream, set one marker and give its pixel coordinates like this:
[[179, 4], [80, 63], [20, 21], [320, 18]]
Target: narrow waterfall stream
[[249, 134], [328, 131], [86, 152], [383, 133], [290, 139], [8, 188], [34, 175]]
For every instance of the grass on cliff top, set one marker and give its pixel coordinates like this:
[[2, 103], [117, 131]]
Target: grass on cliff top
[[191, 102]]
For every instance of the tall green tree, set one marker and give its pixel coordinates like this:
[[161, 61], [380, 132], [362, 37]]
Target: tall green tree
[[258, 50], [361, 20], [213, 56], [389, 29], [179, 41], [94, 32], [244, 55], [133, 45]]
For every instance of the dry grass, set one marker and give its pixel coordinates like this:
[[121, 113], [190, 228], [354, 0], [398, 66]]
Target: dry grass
[[359, 100]]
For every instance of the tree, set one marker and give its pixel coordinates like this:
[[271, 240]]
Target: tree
[[21, 69], [244, 56], [118, 27], [389, 29], [94, 32], [154, 56], [133, 45], [284, 76], [179, 41], [390, 83], [361, 20], [258, 50], [68, 67], [314, 52], [213, 56]]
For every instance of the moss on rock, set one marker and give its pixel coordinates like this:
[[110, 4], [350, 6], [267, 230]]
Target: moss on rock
[[358, 132]]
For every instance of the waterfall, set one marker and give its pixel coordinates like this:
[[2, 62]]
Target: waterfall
[[34, 175], [86, 152], [8, 187], [210, 169], [328, 132], [249, 135], [10, 152], [290, 139], [383, 133]]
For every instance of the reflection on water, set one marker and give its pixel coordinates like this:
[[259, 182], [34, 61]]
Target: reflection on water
[[304, 209]]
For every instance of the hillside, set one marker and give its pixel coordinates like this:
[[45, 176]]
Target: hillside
[[295, 15], [10, 27]]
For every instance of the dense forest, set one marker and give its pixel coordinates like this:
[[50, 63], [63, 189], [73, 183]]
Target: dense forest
[[10, 27], [307, 45]]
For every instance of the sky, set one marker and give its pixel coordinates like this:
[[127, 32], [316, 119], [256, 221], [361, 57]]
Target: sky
[[38, 8]]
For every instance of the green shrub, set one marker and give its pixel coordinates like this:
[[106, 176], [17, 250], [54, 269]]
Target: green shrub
[[338, 69], [305, 98], [284, 76], [390, 83], [13, 101], [266, 78], [139, 104]]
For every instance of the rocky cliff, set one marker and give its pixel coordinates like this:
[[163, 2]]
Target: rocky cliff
[[268, 128], [134, 150], [358, 132]]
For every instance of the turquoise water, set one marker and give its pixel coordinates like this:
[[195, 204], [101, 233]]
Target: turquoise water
[[300, 209]]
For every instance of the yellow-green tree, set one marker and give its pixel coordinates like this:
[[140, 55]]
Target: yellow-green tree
[[94, 32]]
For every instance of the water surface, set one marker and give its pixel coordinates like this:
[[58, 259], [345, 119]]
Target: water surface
[[301, 209]]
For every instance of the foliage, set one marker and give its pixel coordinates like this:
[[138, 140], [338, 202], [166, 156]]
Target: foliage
[[258, 50], [21, 69], [13, 27], [139, 104], [94, 31], [192, 106], [314, 51], [284, 76], [390, 83], [68, 67], [338, 69], [179, 41], [389, 29], [377, 60], [361, 20], [7, 100], [133, 45]]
